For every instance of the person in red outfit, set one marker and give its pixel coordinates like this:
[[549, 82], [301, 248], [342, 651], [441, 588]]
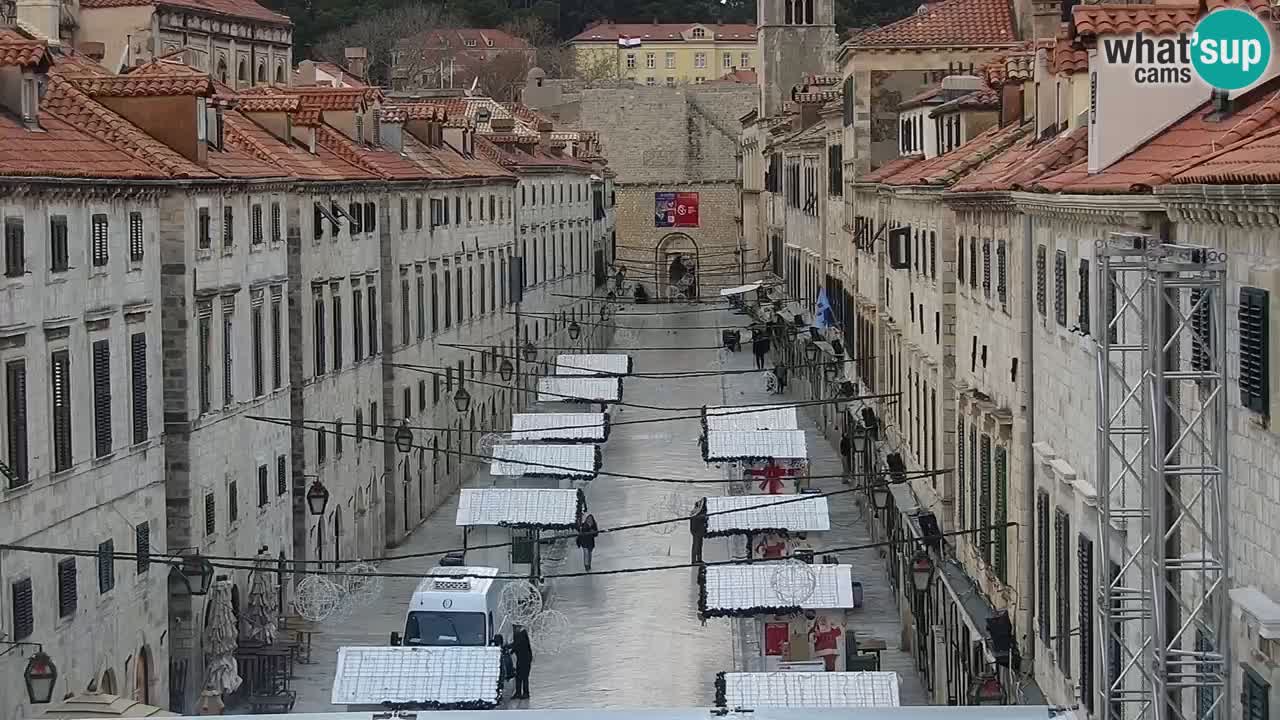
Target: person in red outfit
[[826, 638], [772, 547], [772, 474]]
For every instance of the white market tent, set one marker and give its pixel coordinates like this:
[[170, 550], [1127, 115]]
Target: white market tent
[[444, 676], [777, 417], [542, 459], [551, 508], [569, 427], [727, 445], [753, 690], [905, 712], [613, 364], [580, 388], [750, 587], [740, 514], [727, 292]]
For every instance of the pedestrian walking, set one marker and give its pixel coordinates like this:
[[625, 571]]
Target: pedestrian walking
[[587, 532], [759, 346], [523, 650], [772, 473], [780, 372], [698, 529], [846, 454]]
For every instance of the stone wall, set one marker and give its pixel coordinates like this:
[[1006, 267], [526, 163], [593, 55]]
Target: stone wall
[[716, 236]]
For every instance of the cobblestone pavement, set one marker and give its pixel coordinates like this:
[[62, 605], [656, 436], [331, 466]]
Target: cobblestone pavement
[[628, 630]]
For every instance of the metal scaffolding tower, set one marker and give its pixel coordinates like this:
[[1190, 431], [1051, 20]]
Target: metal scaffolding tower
[[1162, 495]]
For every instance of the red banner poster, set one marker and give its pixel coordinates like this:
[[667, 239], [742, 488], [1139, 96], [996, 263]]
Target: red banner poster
[[687, 209]]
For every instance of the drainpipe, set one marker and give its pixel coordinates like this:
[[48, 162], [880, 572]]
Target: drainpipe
[[1027, 371]]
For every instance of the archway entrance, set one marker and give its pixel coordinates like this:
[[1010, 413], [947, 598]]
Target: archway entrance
[[142, 676], [675, 263]]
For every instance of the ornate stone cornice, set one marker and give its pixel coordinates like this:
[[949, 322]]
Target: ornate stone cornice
[[94, 189], [1131, 210], [1237, 205], [980, 201]]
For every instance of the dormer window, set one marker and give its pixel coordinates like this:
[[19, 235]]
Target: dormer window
[[30, 100], [488, 42], [359, 128], [469, 42], [213, 127], [699, 33]]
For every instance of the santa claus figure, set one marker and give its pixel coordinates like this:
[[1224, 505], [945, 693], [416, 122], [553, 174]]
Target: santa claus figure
[[772, 547], [826, 641]]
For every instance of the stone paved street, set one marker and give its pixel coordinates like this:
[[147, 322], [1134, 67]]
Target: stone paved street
[[629, 627]]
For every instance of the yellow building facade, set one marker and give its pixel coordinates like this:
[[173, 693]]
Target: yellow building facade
[[664, 54]]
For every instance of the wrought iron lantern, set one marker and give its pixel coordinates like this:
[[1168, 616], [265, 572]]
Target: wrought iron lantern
[[530, 352], [462, 400], [197, 574], [575, 330], [317, 498], [506, 370], [404, 437], [831, 370], [811, 353], [41, 675], [922, 571], [880, 496]]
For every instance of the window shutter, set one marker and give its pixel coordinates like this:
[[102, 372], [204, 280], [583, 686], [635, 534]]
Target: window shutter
[[1041, 295], [263, 494], [142, 546], [233, 501], [101, 397], [136, 248], [1001, 533], [961, 518], [986, 268], [973, 262], [256, 217], [337, 329], [67, 591], [1060, 287], [15, 252], [1255, 390], [406, 317], [106, 566], [960, 260], [228, 335], [282, 480], [1200, 328], [138, 382], [228, 231], [1062, 531], [277, 330], [24, 620], [974, 483], [373, 320], [58, 251], [984, 522], [1002, 272], [15, 393], [255, 330], [210, 515], [98, 240], [370, 217], [1085, 550], [206, 363], [1082, 316], [1113, 328], [276, 234], [1042, 566], [1254, 700], [357, 325]]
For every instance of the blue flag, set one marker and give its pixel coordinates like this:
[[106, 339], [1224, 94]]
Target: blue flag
[[822, 317]]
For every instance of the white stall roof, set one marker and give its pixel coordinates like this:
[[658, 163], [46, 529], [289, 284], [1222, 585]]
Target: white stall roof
[[810, 689], [776, 417], [444, 675], [571, 461], [734, 588], [905, 712], [558, 426], [616, 364], [767, 512], [567, 388], [743, 444], [741, 289], [517, 506]]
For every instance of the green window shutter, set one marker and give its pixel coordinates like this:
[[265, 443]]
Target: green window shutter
[[1001, 534], [984, 521]]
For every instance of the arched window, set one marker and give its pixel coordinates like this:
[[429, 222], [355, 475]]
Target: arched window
[[242, 71], [280, 74], [222, 70], [262, 73], [787, 11], [808, 12]]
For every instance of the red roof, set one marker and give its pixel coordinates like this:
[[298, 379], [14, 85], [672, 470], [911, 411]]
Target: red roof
[[480, 39], [1027, 160], [746, 77], [244, 9], [981, 99], [1065, 57], [1158, 19], [663, 32], [1184, 144], [63, 150], [289, 155], [446, 163], [957, 23], [947, 168], [1254, 160], [891, 168], [19, 50], [157, 78]]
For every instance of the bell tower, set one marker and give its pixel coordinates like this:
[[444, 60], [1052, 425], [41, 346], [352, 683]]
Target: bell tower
[[795, 38]]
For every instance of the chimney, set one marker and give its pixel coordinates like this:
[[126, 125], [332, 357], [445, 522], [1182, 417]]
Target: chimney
[[95, 51], [42, 17], [1010, 104], [544, 131], [954, 86], [306, 73], [502, 124], [357, 60]]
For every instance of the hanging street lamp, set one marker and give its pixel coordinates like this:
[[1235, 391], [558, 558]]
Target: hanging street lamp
[[41, 675], [880, 496], [831, 370], [530, 352], [317, 498], [506, 370], [404, 437], [575, 330], [810, 353], [198, 572], [462, 400], [922, 571]]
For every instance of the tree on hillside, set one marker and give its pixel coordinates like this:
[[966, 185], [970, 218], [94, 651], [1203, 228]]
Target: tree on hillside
[[596, 66], [500, 77], [550, 54], [403, 30]]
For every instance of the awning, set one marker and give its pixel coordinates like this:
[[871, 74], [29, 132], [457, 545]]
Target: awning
[[766, 513], [748, 691], [612, 364], [777, 417], [434, 677], [748, 589], [518, 507], [727, 445], [100, 705], [579, 388], [545, 460], [575, 427], [741, 289]]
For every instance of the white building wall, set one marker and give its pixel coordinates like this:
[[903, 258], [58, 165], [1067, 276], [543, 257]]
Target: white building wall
[[100, 497]]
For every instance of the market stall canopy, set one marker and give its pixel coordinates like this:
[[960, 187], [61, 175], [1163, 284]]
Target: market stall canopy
[[906, 712], [741, 514], [741, 289], [429, 677], [519, 507], [581, 388], [572, 427], [769, 417], [753, 690], [101, 705], [753, 445], [545, 460], [748, 589], [615, 365]]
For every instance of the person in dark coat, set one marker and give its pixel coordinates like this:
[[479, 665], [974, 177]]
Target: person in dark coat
[[846, 454], [587, 532], [698, 529], [523, 650], [759, 346]]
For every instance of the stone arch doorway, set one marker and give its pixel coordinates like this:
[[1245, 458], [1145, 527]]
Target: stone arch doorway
[[142, 676], [675, 264]]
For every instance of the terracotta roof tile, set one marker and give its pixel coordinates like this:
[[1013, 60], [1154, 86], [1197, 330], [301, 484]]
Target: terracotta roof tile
[[1025, 161], [745, 77], [269, 103], [242, 158], [290, 156], [891, 168], [1254, 160], [1184, 144], [961, 23], [151, 85], [245, 9], [446, 163], [984, 99], [63, 150], [1093, 20], [1065, 57], [946, 169], [66, 101], [662, 32], [19, 50]]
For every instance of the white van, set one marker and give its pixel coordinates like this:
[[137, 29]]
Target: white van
[[455, 606]]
